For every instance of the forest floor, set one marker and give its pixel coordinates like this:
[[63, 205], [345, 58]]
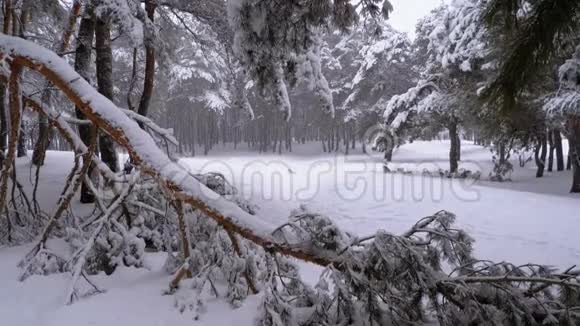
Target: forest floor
[[526, 220]]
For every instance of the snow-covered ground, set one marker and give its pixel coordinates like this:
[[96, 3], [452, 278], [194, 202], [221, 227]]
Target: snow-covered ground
[[526, 220]]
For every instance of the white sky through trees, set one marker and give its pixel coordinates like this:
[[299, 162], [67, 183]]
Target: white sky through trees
[[408, 12], [405, 16]]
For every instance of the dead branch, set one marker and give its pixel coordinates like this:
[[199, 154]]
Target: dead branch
[[81, 255], [184, 271], [73, 183], [146, 122], [61, 124], [179, 275]]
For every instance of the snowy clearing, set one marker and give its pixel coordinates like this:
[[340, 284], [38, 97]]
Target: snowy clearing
[[538, 225]]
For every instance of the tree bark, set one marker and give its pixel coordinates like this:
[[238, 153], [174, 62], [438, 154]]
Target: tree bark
[[21, 150], [551, 150], [389, 153], [559, 151], [105, 84], [3, 117], [43, 138], [14, 98], [454, 149], [148, 83], [44, 134], [540, 155], [18, 28], [573, 126], [458, 147], [82, 66]]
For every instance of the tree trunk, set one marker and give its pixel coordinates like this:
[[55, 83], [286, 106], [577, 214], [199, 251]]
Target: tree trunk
[[18, 28], [105, 84], [44, 133], [573, 125], [149, 66], [3, 117], [22, 141], [82, 66], [559, 151], [346, 141], [389, 155], [502, 153], [454, 149], [540, 155], [43, 138], [458, 147], [551, 150]]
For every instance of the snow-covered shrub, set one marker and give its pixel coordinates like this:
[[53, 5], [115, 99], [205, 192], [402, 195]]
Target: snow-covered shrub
[[426, 275], [459, 174], [45, 262], [215, 262], [221, 264], [501, 170]]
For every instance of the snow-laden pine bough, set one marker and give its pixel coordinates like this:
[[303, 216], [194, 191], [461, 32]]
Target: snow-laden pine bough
[[428, 273]]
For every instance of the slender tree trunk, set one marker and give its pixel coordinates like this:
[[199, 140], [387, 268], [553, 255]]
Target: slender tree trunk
[[346, 141], [105, 84], [551, 150], [82, 66], [21, 152], [559, 151], [18, 28], [540, 155], [458, 147], [149, 66], [44, 133], [43, 138], [389, 148], [573, 125], [454, 149], [389, 154], [502, 153], [290, 138], [3, 115]]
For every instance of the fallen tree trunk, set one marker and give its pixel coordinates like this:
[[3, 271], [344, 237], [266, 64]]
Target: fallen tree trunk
[[365, 272], [144, 152]]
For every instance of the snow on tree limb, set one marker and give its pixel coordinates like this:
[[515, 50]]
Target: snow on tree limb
[[272, 39], [143, 150]]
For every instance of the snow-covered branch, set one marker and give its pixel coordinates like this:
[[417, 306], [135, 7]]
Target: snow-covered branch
[[143, 150]]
